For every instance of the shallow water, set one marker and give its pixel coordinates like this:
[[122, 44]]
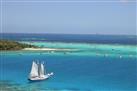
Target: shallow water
[[93, 67]]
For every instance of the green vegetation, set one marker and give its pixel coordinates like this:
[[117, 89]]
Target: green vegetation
[[13, 45]]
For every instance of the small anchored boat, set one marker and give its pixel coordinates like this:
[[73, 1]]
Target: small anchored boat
[[38, 72]]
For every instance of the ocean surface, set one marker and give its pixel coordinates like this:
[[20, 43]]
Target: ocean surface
[[96, 63]]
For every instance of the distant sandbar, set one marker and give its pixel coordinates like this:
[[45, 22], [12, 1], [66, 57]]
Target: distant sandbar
[[46, 49]]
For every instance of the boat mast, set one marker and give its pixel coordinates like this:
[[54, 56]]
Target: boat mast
[[34, 70], [41, 70]]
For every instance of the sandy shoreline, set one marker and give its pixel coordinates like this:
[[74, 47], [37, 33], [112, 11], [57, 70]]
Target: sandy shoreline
[[46, 49]]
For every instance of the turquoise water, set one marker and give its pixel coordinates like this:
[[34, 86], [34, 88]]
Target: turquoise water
[[91, 67], [92, 49]]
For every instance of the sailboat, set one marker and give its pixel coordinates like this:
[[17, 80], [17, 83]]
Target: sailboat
[[38, 72]]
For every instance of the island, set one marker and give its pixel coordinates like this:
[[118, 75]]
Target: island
[[10, 45], [14, 45]]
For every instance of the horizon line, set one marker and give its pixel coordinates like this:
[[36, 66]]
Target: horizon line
[[68, 33], [60, 1]]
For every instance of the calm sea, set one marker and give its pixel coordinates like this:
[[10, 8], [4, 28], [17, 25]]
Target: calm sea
[[101, 63], [79, 38]]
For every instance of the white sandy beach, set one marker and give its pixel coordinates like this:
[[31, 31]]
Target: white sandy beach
[[46, 49]]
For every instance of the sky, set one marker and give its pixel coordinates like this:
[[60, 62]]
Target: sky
[[69, 16]]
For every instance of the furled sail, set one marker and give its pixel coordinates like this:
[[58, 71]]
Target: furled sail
[[34, 70], [41, 70]]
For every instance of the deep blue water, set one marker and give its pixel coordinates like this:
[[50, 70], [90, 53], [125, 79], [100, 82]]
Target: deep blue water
[[84, 73], [105, 39], [74, 71]]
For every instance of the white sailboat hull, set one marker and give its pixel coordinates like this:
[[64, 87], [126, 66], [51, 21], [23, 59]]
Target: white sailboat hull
[[38, 78], [44, 77]]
